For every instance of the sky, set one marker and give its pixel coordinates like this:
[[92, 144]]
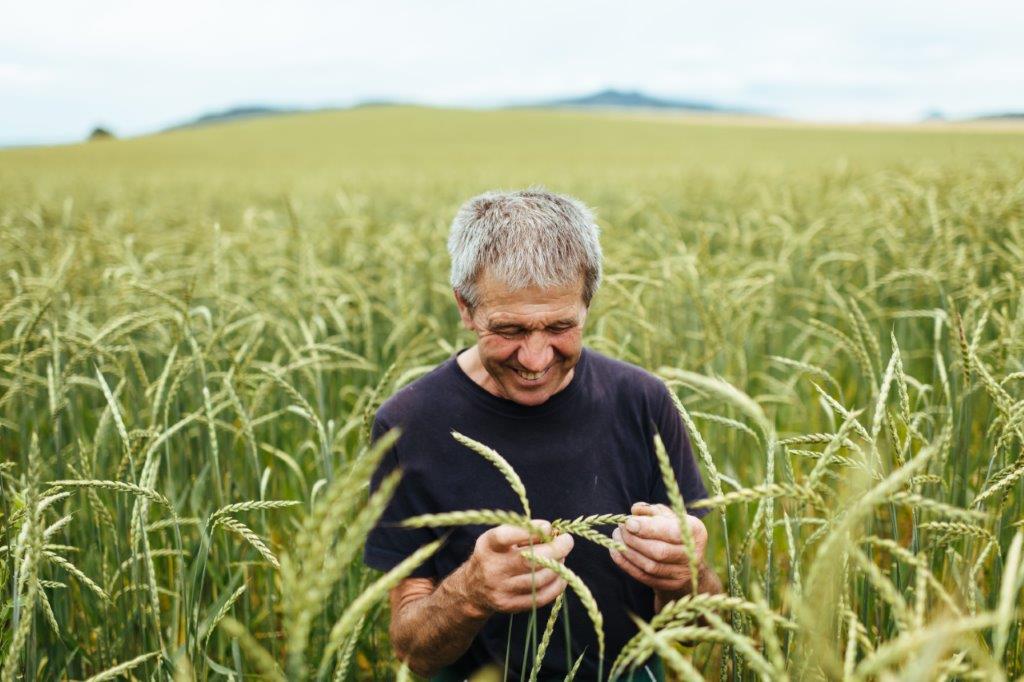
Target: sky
[[136, 66]]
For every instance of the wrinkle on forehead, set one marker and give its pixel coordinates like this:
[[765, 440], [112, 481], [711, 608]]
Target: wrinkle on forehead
[[534, 315], [495, 296]]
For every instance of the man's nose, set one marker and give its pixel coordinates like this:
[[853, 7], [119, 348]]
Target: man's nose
[[536, 353]]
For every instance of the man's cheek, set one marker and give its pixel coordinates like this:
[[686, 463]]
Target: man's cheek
[[569, 343], [496, 349]]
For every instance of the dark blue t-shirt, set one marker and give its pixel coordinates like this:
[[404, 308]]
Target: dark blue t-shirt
[[589, 449]]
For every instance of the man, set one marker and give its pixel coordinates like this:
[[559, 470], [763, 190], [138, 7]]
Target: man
[[576, 426]]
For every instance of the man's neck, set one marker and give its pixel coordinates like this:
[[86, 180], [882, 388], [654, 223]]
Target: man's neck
[[469, 362]]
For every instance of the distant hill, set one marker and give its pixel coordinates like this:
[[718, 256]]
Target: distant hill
[[618, 99], [634, 99], [235, 114], [259, 111], [1005, 116]]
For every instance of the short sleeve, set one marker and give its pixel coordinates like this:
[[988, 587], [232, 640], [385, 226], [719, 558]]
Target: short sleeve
[[669, 425], [388, 544]]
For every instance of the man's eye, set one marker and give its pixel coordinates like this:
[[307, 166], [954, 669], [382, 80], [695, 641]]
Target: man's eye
[[558, 329]]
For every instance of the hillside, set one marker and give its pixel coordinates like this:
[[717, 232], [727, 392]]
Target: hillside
[[311, 153]]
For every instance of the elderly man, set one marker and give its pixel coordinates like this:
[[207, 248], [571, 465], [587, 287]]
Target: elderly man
[[577, 427]]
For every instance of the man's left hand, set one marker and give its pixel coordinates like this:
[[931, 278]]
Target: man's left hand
[[655, 554]]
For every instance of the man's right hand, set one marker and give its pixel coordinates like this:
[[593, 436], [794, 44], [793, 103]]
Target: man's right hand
[[432, 623], [501, 580]]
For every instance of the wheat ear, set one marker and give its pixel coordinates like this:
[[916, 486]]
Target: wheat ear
[[581, 590], [222, 613], [265, 663], [247, 534], [545, 639], [676, 662], [121, 668], [501, 464], [376, 591]]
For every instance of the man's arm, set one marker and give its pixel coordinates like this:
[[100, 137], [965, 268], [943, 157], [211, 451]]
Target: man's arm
[[433, 624]]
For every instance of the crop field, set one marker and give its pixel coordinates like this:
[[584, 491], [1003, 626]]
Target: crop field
[[196, 328]]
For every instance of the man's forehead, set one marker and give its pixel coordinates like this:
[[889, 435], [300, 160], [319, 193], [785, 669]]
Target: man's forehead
[[533, 311], [536, 318], [495, 294]]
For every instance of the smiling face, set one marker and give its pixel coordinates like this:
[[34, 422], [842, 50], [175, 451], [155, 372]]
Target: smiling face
[[528, 341]]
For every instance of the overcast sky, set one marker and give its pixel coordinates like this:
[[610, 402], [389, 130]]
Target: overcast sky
[[137, 66]]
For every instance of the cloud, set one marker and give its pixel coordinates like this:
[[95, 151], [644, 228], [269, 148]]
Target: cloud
[[64, 65]]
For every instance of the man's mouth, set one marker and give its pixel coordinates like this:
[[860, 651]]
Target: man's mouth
[[531, 376]]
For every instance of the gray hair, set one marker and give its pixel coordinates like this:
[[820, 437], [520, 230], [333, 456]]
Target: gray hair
[[526, 238]]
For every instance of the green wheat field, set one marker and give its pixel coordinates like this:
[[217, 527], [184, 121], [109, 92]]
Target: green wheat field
[[196, 328]]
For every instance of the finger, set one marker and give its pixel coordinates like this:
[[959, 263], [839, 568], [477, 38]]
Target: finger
[[627, 567], [664, 528], [544, 596], [502, 538], [527, 583], [543, 526], [656, 550], [671, 568], [638, 574], [648, 509], [549, 593], [556, 550], [544, 530]]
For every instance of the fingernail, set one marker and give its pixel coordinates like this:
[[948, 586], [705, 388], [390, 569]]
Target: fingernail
[[632, 525]]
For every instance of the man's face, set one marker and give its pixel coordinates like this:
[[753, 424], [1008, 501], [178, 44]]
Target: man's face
[[529, 340]]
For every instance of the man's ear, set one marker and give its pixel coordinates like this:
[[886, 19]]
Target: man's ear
[[465, 312]]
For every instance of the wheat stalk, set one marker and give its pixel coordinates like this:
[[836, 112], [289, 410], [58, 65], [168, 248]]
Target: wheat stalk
[[265, 663], [122, 668], [119, 486], [222, 613], [586, 522], [545, 639], [378, 590], [73, 570], [246, 533], [675, 498], [958, 528], [581, 590], [346, 652], [906, 644], [941, 508], [885, 589], [675, 661], [759, 492], [501, 465], [488, 517], [252, 505], [1005, 480]]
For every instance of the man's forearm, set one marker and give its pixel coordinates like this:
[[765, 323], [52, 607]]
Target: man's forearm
[[707, 583], [434, 630]]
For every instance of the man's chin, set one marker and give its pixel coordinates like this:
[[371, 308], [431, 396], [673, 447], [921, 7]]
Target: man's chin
[[529, 398], [521, 392]]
